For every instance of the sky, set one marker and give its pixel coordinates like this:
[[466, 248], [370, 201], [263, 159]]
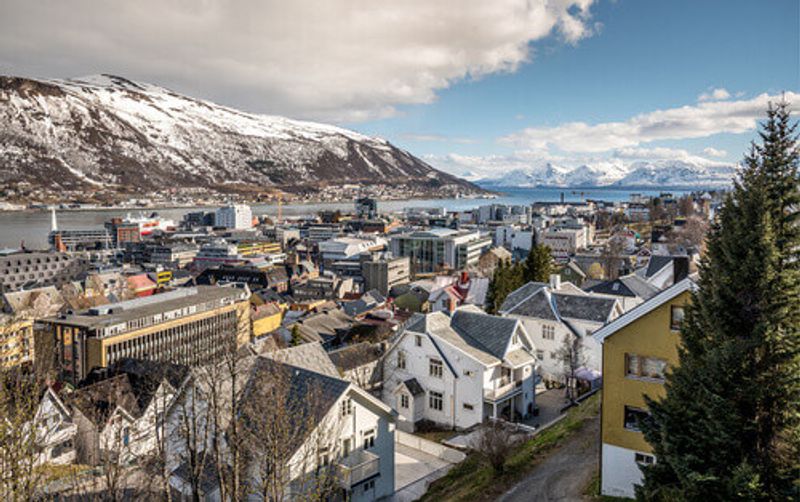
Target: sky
[[474, 87]]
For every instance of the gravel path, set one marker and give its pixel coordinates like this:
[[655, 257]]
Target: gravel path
[[564, 474]]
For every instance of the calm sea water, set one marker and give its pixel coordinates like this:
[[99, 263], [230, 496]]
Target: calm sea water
[[32, 227]]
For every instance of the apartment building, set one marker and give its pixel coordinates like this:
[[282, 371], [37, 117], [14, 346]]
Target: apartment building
[[555, 311], [440, 249], [564, 241], [638, 349], [187, 326], [237, 216], [458, 370], [382, 273]]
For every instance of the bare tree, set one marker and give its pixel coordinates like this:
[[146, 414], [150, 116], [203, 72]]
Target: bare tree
[[611, 257], [189, 437], [19, 449], [572, 358], [495, 443]]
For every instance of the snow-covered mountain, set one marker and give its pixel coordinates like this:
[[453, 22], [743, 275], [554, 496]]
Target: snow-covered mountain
[[614, 172], [109, 131]]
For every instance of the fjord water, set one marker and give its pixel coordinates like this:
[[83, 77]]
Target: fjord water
[[32, 227]]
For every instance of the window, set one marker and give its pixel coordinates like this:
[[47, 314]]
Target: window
[[468, 407], [515, 339], [675, 317], [347, 407], [634, 417], [469, 373], [418, 340], [401, 360], [403, 401], [435, 368], [369, 485], [436, 400], [548, 332], [540, 355], [369, 438], [644, 459], [126, 436], [644, 367]]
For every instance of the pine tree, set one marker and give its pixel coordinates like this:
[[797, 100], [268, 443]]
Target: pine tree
[[728, 427], [538, 265]]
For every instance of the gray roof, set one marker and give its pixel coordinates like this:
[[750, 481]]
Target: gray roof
[[587, 308], [536, 300], [656, 263], [518, 295], [308, 399], [356, 355], [630, 285], [414, 387], [310, 356], [483, 331], [437, 326]]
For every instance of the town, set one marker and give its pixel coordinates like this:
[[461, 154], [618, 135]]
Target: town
[[365, 335]]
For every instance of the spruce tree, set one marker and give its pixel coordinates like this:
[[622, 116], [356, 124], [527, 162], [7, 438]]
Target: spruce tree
[[538, 265], [728, 427]]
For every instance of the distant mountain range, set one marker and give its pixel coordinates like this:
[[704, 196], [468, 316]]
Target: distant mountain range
[[614, 173], [108, 131]]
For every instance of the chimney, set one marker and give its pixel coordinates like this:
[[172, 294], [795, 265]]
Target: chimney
[[464, 278], [555, 282], [680, 268]]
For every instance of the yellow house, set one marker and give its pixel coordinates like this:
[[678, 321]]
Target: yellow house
[[266, 319], [638, 348]]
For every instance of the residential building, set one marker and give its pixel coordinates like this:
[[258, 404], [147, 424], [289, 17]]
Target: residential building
[[638, 349], [119, 411], [347, 431], [440, 249], [348, 249], [237, 216], [556, 311], [456, 371], [324, 287], [562, 241], [189, 326], [55, 430], [384, 272], [630, 290]]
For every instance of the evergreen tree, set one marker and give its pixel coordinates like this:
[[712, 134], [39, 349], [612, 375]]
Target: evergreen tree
[[296, 338], [728, 427], [538, 265]]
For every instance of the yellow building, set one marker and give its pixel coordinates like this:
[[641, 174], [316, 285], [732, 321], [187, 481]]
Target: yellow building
[[16, 341], [189, 326], [638, 348], [266, 319], [251, 248]]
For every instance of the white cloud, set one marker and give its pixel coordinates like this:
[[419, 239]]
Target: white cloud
[[713, 152], [717, 94], [437, 138], [699, 121], [337, 60]]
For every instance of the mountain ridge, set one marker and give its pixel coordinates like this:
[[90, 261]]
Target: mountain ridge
[[109, 132]]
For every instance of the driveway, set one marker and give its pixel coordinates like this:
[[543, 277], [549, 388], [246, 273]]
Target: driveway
[[414, 470], [564, 474]]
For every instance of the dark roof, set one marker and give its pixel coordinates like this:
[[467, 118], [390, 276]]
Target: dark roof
[[98, 400], [588, 308], [307, 400], [657, 263], [414, 387], [629, 285], [417, 323], [536, 305], [518, 295], [356, 355], [483, 331], [368, 301], [129, 383]]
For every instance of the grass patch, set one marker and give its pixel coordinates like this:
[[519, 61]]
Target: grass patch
[[473, 479], [436, 436]]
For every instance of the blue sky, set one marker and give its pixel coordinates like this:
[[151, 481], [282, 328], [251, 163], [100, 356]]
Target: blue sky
[[647, 55]]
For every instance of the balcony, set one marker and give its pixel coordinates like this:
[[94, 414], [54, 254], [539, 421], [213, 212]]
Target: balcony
[[505, 389], [357, 467]]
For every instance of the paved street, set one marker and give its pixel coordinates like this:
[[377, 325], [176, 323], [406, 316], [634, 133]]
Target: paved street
[[564, 474]]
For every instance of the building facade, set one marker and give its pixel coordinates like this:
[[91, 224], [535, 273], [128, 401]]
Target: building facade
[[385, 272], [188, 326], [638, 349], [237, 216], [440, 249]]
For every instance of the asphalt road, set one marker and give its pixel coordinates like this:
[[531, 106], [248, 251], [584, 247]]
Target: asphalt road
[[564, 474]]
